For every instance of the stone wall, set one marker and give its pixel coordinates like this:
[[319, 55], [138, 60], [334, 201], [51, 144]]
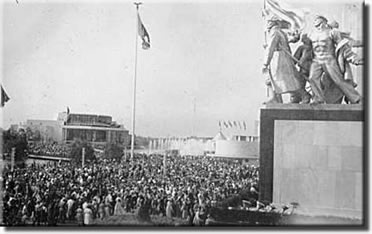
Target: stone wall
[[313, 155]]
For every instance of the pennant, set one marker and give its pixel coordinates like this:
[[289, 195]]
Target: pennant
[[245, 126], [240, 125], [230, 124], [4, 96], [225, 124], [234, 122], [142, 32]]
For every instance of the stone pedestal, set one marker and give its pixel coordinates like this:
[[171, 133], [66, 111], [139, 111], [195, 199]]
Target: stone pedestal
[[313, 155]]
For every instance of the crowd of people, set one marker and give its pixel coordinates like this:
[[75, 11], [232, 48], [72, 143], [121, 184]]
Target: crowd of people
[[181, 187], [48, 149]]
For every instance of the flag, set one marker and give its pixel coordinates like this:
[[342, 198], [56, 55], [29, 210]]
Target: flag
[[4, 96], [295, 17], [142, 32], [235, 124], [240, 125], [225, 124]]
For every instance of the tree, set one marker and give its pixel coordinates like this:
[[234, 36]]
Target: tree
[[113, 151], [29, 134], [33, 135], [36, 135], [17, 140], [76, 151]]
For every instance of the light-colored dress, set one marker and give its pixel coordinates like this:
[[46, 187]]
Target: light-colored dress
[[169, 210], [118, 210], [88, 216]]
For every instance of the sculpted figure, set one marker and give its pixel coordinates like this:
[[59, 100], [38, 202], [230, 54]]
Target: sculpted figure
[[304, 57], [280, 67], [325, 40]]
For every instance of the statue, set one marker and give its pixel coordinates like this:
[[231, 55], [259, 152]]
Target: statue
[[325, 70], [303, 57], [345, 56], [280, 67]]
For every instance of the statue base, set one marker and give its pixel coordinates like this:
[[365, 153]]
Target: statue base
[[313, 155]]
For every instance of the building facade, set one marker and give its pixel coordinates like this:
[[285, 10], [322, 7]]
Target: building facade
[[95, 129], [239, 146]]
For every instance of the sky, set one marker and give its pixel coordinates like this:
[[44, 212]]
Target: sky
[[204, 64]]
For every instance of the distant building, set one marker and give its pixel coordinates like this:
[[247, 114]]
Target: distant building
[[183, 146], [257, 127], [96, 129], [238, 147]]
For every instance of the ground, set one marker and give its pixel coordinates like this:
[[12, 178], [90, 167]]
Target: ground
[[294, 220], [132, 220]]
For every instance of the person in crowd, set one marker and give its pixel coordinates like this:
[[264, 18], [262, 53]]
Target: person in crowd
[[101, 210], [79, 216], [118, 210], [88, 215], [169, 209], [70, 204]]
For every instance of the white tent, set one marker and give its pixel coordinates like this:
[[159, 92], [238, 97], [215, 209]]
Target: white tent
[[219, 137]]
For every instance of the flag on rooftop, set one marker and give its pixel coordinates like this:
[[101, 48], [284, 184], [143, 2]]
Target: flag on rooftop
[[4, 96], [142, 32], [240, 125], [225, 124]]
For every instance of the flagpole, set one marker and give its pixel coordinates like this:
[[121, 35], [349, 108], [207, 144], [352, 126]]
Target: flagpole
[[265, 45], [134, 88]]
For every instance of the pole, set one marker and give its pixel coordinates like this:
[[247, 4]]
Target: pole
[[82, 157], [12, 159], [134, 88], [265, 43], [165, 164], [150, 145], [193, 116]]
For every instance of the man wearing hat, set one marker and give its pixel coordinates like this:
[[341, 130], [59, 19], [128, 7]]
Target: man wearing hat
[[324, 41], [284, 77]]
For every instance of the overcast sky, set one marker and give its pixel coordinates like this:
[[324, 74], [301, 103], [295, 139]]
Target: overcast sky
[[204, 64]]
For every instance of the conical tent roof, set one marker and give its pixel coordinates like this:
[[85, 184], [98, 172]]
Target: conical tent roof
[[219, 136]]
